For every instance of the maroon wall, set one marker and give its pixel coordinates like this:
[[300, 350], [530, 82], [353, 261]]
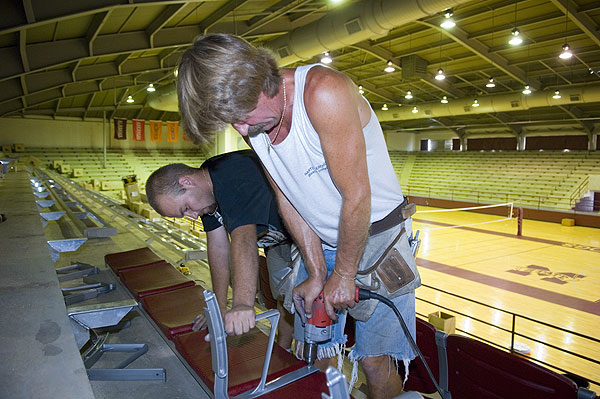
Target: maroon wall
[[493, 143], [556, 143]]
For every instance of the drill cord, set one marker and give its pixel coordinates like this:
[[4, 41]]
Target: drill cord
[[365, 294]]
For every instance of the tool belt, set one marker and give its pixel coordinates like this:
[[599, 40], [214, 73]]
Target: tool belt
[[395, 217], [387, 266]]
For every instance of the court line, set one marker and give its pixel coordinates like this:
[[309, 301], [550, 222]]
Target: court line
[[517, 288], [497, 233]]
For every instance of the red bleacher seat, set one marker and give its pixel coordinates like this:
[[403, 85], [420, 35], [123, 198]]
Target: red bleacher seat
[[131, 259], [245, 355], [306, 388], [418, 379], [174, 311], [478, 370], [153, 279]]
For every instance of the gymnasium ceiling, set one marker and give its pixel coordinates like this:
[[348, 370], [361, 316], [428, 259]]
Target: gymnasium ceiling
[[82, 59]]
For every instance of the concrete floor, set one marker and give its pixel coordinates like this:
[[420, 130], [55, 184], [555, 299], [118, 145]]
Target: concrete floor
[[40, 358]]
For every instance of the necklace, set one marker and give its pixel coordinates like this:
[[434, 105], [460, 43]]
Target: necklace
[[282, 115]]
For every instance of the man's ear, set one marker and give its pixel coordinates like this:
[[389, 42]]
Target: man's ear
[[187, 181]]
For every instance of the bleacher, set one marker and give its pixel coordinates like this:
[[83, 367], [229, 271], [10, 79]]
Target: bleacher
[[86, 166], [542, 180]]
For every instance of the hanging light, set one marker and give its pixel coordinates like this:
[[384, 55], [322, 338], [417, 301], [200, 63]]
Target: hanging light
[[526, 90], [516, 39], [384, 108], [556, 95], [130, 99], [408, 95], [566, 53], [360, 89], [415, 110], [440, 74], [475, 103], [444, 100], [448, 22], [491, 83], [390, 67], [326, 59], [150, 88]]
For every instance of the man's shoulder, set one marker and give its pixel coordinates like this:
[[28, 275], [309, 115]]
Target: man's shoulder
[[234, 159]]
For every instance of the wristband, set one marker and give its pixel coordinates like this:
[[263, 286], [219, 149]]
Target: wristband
[[344, 277]]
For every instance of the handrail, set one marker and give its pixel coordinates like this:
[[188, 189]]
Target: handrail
[[512, 330], [581, 188]]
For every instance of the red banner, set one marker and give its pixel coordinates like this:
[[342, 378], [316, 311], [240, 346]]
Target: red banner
[[172, 132], [155, 130], [120, 129], [138, 126]]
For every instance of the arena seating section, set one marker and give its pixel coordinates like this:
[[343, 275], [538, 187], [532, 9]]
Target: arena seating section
[[530, 179], [172, 301], [545, 180]]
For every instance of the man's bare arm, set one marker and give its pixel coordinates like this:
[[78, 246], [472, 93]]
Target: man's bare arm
[[244, 268], [218, 260], [312, 253], [333, 102]]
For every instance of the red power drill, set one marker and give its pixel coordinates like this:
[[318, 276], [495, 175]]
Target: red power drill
[[317, 330]]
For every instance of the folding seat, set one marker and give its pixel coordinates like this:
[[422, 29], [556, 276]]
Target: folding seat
[[173, 311], [153, 279], [131, 259], [478, 370], [236, 365], [418, 378]]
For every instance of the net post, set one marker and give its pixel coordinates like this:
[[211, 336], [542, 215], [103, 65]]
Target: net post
[[519, 222]]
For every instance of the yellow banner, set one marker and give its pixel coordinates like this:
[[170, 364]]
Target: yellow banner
[[172, 132], [155, 130]]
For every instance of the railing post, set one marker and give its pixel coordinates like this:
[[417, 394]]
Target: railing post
[[512, 333]]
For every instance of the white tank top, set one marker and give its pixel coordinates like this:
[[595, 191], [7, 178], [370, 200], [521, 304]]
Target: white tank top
[[298, 167]]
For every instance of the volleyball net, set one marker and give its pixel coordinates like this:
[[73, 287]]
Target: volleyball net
[[505, 211]]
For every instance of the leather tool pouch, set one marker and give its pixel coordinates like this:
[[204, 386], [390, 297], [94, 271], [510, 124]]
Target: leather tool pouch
[[390, 272], [393, 272]]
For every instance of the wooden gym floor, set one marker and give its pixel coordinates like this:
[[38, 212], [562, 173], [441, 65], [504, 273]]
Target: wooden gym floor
[[551, 274]]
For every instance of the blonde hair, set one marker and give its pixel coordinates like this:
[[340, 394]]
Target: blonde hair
[[220, 78]]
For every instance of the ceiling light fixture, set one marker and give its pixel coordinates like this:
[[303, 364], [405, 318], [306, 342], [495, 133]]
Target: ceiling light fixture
[[150, 88], [444, 100], [448, 22], [326, 59], [440, 74], [384, 108], [526, 90], [475, 103], [130, 99], [415, 110], [408, 95], [390, 67], [556, 95], [516, 39], [491, 83], [566, 53]]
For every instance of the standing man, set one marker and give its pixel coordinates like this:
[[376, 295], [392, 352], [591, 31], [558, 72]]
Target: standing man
[[231, 195], [327, 160]]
